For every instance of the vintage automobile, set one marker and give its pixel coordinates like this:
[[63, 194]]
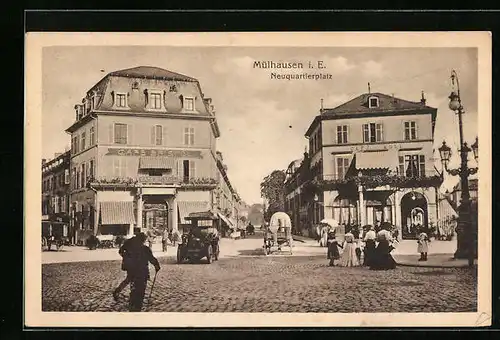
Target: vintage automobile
[[54, 233], [278, 234], [202, 239]]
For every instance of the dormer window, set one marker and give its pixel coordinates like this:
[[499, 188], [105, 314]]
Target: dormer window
[[373, 102], [154, 100], [120, 100], [188, 103]]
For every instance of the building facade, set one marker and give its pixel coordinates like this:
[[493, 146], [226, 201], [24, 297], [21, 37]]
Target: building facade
[[370, 160], [56, 188], [143, 153]]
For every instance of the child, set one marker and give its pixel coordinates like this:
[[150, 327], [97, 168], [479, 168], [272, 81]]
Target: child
[[423, 246]]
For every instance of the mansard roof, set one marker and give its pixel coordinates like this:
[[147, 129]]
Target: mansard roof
[[151, 73]]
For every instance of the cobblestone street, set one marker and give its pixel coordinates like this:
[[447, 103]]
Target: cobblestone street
[[263, 284]]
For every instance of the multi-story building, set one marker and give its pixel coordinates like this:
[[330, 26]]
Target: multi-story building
[[55, 188], [143, 153], [296, 204], [370, 161]]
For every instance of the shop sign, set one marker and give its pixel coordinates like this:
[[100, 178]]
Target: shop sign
[[154, 152]]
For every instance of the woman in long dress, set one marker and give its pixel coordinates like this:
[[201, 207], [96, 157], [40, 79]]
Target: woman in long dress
[[383, 259], [349, 258]]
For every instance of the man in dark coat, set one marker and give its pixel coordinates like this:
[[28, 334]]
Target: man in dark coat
[[125, 253], [140, 257], [137, 257]]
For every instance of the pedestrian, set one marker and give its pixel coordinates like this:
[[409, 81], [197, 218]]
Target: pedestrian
[[164, 239], [423, 246], [125, 252], [150, 237], [140, 257], [349, 257], [382, 259], [333, 247], [369, 239]]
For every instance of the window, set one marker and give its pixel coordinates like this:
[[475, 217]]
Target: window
[[77, 144], [412, 165], [186, 169], [341, 166], [66, 176], [410, 130], [73, 178], [121, 100], [158, 135], [83, 141], [83, 180], [77, 178], [119, 167], [189, 104], [372, 133], [120, 133], [189, 136], [155, 100], [342, 134], [91, 169], [373, 102], [92, 136]]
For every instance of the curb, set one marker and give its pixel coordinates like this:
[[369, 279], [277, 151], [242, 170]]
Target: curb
[[432, 266]]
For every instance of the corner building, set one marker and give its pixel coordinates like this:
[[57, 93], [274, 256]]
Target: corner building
[[143, 153], [370, 160]]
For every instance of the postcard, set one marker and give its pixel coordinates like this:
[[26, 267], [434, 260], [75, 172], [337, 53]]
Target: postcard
[[271, 179]]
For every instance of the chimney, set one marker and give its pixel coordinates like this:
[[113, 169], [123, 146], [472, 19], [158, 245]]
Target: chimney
[[44, 161], [321, 108], [423, 100]]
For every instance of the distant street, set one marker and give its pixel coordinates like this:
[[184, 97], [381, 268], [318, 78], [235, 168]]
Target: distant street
[[251, 282]]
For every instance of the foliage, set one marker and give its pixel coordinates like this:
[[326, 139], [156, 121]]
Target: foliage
[[370, 182], [255, 214], [272, 188]]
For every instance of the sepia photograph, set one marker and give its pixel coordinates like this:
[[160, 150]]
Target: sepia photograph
[[240, 179]]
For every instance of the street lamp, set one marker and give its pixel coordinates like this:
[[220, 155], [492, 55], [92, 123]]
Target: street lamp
[[466, 235]]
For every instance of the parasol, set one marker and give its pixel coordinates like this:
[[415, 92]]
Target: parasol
[[331, 222]]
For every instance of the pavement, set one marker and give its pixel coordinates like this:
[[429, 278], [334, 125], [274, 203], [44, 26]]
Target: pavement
[[245, 280], [440, 252]]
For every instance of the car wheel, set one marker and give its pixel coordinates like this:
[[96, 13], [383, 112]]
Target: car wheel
[[209, 254], [179, 255]]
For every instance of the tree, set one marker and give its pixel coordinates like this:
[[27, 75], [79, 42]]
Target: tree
[[255, 214], [272, 189]]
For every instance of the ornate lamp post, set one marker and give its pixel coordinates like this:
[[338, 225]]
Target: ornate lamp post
[[466, 233]]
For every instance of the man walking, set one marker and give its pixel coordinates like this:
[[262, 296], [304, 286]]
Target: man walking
[[125, 252], [140, 257]]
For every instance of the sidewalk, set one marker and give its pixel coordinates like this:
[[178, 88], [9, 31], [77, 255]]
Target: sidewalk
[[433, 260]]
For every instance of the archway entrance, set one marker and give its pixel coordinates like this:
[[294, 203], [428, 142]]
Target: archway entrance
[[414, 215], [155, 213]]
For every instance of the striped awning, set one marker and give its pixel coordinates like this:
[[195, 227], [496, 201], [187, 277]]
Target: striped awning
[[156, 162], [226, 220], [117, 213], [187, 207]]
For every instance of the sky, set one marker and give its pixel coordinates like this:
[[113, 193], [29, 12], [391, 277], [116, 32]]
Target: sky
[[263, 120]]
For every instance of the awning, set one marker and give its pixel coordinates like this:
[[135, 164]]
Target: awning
[[225, 219], [187, 207], [117, 213], [375, 160], [156, 162]]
